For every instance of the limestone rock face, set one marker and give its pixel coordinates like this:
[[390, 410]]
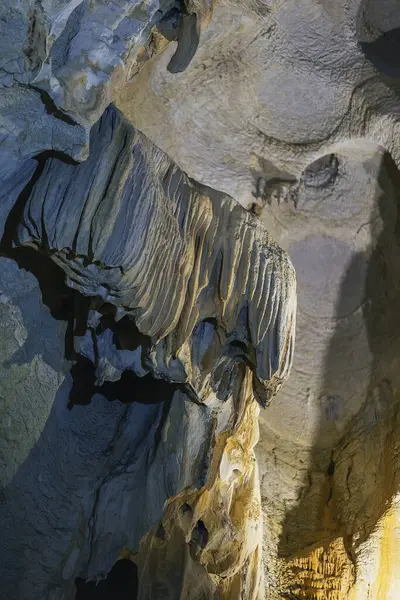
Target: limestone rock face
[[177, 306], [59, 62], [180, 272], [341, 403], [273, 85], [162, 436]]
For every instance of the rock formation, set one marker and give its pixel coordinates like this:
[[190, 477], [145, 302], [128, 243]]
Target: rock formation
[[163, 164]]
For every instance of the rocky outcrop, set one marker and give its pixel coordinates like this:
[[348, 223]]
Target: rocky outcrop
[[341, 403], [131, 230], [148, 448], [181, 308], [61, 60], [293, 108], [271, 88]]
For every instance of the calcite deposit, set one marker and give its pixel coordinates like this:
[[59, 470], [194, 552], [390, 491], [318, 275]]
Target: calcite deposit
[[199, 292]]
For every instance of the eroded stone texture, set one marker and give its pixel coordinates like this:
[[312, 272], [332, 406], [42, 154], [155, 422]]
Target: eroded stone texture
[[272, 86], [61, 59], [221, 525], [61, 62], [179, 311], [32, 366], [128, 227], [331, 510], [294, 106]]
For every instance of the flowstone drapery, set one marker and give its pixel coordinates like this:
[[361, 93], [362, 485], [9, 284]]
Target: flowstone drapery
[[148, 318], [180, 307]]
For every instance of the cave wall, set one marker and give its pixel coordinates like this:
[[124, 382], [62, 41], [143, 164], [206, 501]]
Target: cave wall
[[166, 168], [172, 336]]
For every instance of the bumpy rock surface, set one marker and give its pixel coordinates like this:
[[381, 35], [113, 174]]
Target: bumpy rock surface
[[60, 61], [334, 516], [272, 86], [131, 230], [146, 315], [180, 308], [293, 108]]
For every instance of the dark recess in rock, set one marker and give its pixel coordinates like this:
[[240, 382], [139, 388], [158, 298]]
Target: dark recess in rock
[[126, 335], [169, 24], [130, 388], [200, 534], [185, 508], [160, 533], [384, 53], [121, 583], [52, 109], [322, 172], [188, 41]]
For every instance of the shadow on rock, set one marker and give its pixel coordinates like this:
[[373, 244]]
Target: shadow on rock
[[351, 484], [121, 583]]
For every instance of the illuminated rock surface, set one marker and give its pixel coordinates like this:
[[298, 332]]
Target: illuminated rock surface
[[163, 164]]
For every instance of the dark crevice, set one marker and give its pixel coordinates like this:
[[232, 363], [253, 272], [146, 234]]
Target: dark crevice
[[126, 335], [188, 42], [186, 508], [201, 533], [83, 374], [384, 53], [160, 533], [15, 216], [199, 540], [52, 109], [331, 469], [237, 348], [121, 583], [330, 494], [61, 156], [50, 106], [129, 388]]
